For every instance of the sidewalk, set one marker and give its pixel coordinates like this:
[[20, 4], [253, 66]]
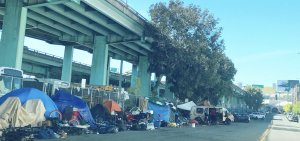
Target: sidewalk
[[282, 130]]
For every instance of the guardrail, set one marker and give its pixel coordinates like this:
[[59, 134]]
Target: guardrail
[[132, 10], [125, 5], [58, 57]]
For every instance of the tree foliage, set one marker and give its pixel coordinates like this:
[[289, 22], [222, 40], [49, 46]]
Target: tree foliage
[[253, 97], [296, 108], [287, 108], [135, 89], [187, 49]]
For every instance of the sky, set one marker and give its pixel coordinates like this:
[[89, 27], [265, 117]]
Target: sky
[[261, 38]]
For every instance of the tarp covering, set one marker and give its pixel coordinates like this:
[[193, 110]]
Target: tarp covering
[[112, 106], [186, 106], [63, 99], [26, 94], [204, 103], [162, 110], [12, 111], [101, 111]]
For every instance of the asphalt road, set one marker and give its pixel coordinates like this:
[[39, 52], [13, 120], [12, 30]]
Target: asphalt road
[[237, 131], [283, 130]]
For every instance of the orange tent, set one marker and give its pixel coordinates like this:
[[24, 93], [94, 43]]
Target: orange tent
[[203, 103], [112, 106]]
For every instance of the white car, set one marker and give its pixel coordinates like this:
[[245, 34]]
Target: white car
[[257, 115]]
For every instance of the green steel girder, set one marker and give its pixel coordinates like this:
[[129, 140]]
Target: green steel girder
[[97, 17], [108, 10], [147, 46], [79, 19], [125, 49], [39, 3], [51, 23], [63, 20]]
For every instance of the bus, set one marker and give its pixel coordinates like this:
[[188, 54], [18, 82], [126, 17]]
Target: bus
[[10, 79]]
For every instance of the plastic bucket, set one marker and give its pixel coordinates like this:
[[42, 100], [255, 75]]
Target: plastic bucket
[[193, 125], [157, 123]]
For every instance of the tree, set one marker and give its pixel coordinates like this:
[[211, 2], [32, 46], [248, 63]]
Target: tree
[[136, 88], [287, 108], [253, 97], [187, 49], [296, 108]]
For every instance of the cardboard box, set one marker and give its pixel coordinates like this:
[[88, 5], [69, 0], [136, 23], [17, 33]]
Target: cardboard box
[[47, 123]]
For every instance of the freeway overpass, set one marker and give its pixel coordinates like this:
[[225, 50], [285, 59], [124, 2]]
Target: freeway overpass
[[105, 28], [44, 65]]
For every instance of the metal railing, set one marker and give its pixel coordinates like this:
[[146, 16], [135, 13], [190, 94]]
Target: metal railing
[[125, 5], [132, 10]]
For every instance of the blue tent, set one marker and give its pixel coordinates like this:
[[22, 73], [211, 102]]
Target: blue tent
[[63, 99], [25, 94], [158, 109]]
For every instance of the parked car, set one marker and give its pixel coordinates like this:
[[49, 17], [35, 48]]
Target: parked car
[[257, 115], [288, 115], [295, 118], [242, 118]]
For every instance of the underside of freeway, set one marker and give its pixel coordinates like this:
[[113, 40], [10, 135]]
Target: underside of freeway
[[105, 28]]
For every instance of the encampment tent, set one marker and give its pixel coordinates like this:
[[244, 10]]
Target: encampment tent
[[112, 106], [12, 111], [63, 99], [100, 111], [186, 106], [164, 111], [26, 94]]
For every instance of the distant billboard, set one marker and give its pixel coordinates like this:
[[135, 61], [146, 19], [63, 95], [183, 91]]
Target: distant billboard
[[114, 69], [286, 85], [259, 86], [268, 90]]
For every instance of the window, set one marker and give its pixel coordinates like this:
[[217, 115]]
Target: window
[[17, 83], [199, 110], [12, 72]]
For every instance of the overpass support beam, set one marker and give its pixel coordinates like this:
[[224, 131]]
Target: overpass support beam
[[99, 62], [67, 64], [133, 74], [13, 33], [144, 75], [168, 93]]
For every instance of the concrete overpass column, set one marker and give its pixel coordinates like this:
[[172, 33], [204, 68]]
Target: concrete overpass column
[[67, 64], [168, 93], [155, 81], [144, 75], [108, 70], [99, 62], [13, 33], [134, 73]]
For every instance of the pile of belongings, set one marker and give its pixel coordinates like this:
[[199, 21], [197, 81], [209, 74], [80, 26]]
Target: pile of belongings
[[63, 100]]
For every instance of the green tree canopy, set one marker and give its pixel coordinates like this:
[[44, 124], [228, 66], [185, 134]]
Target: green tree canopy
[[135, 89], [253, 97], [296, 108], [187, 49]]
